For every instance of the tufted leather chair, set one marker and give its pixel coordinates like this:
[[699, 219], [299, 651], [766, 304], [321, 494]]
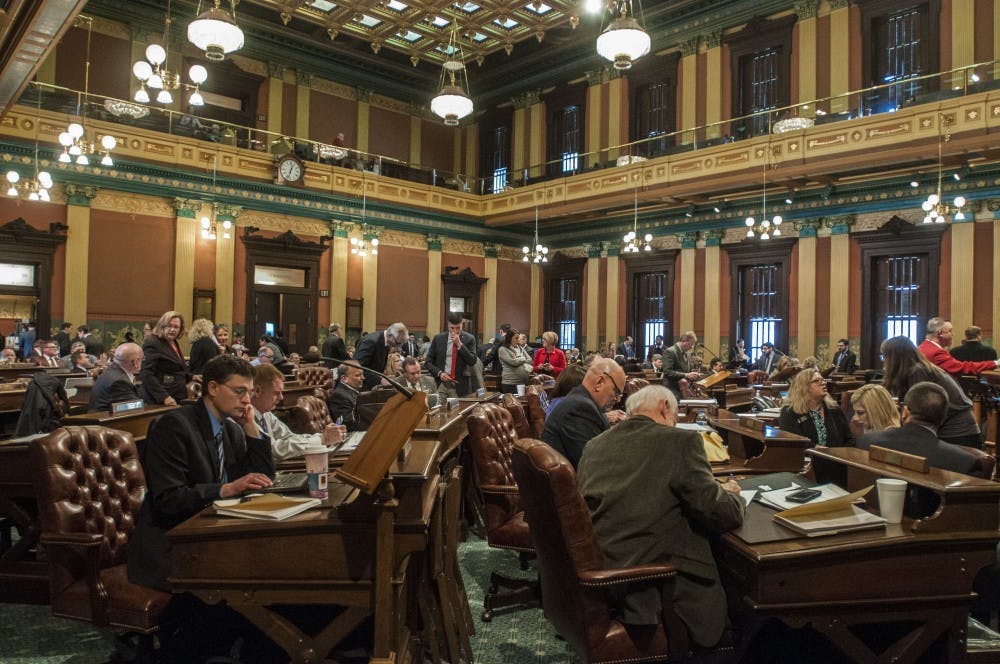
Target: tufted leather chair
[[491, 439], [575, 584], [985, 462], [517, 416], [308, 415], [544, 380], [318, 375], [757, 377], [632, 385], [537, 401], [90, 486]]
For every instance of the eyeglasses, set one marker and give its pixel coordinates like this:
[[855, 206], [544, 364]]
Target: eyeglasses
[[618, 393], [238, 391], [818, 380]]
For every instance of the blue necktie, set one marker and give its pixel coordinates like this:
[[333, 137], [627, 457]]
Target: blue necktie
[[223, 476]]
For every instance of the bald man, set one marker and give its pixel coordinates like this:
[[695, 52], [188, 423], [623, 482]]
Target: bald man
[[117, 382], [587, 410]]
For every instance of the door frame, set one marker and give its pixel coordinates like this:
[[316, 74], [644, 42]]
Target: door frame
[[25, 244]]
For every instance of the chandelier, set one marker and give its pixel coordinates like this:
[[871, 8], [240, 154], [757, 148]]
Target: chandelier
[[767, 227], [632, 242], [452, 102], [78, 142], [37, 188], [153, 73], [935, 209], [368, 242], [210, 225], [125, 109], [624, 40], [215, 32], [539, 253]]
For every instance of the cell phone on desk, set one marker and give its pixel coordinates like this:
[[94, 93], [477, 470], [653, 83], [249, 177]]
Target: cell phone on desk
[[803, 495]]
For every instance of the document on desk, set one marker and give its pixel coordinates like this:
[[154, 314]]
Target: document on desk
[[268, 507], [827, 517], [776, 498]]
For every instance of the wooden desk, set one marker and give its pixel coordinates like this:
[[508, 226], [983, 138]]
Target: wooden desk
[[356, 555], [23, 578], [136, 422], [489, 397], [770, 450], [9, 372], [11, 400], [447, 426], [912, 580]]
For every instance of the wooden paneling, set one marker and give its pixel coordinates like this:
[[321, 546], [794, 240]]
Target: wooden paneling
[[402, 287]]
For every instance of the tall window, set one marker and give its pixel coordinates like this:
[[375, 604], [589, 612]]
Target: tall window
[[654, 116], [567, 142], [760, 305], [901, 293], [760, 274], [650, 299], [499, 158], [761, 68], [563, 298], [760, 82], [902, 47], [495, 151], [567, 313]]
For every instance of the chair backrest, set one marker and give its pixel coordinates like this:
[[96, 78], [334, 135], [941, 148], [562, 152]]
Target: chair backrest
[[985, 462], [308, 415], [491, 439], [564, 541], [88, 481], [544, 380], [513, 406], [315, 375], [536, 399]]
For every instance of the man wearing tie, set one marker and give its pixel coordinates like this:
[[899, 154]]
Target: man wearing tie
[[768, 360], [677, 363], [451, 357], [415, 380], [845, 361], [627, 349], [49, 354]]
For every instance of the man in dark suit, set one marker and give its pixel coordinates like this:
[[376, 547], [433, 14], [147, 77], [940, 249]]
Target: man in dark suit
[[845, 361], [653, 499], [333, 346], [91, 342], [451, 357], [972, 348], [767, 361], [409, 348], [373, 351], [194, 455], [627, 348], [414, 379], [63, 339], [655, 349], [343, 399], [580, 415], [117, 382], [677, 363], [46, 354], [924, 408]]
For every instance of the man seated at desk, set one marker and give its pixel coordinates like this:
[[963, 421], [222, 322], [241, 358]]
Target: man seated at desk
[[924, 408], [653, 499], [343, 400], [117, 382], [268, 392]]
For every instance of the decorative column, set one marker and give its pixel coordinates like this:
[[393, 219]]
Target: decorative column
[[840, 56], [712, 333], [713, 86], [806, 26], [805, 344], [686, 321], [996, 63], [369, 285], [434, 286], [617, 113], [416, 124], [225, 264], [994, 206], [364, 118], [338, 270], [595, 83], [185, 234], [490, 251], [470, 167], [840, 273], [591, 339], [78, 200], [535, 324], [275, 93], [302, 80], [536, 124], [689, 89], [519, 131], [963, 261], [963, 42], [611, 330]]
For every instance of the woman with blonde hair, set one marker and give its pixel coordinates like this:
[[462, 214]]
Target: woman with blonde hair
[[164, 373], [811, 412], [549, 359], [394, 365], [874, 409], [204, 345]]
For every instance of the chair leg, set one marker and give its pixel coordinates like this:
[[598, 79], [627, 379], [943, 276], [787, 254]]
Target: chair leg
[[522, 591]]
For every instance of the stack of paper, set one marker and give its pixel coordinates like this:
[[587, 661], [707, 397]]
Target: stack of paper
[[271, 507], [776, 498], [826, 517]]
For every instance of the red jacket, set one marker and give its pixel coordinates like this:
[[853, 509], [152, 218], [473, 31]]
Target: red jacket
[[949, 364], [555, 357]]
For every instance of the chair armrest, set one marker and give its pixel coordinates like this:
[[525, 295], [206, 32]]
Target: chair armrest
[[599, 578], [500, 489], [88, 547], [85, 540]]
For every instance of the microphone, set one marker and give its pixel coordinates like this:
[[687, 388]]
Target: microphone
[[714, 354], [402, 389]]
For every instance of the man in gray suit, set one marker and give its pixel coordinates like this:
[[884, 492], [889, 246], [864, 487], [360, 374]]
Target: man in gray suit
[[414, 379], [677, 363], [653, 499], [117, 382]]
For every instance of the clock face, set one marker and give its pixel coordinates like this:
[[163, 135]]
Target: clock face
[[290, 170]]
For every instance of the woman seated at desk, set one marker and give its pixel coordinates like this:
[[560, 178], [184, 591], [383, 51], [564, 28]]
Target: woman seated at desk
[[809, 411], [874, 410]]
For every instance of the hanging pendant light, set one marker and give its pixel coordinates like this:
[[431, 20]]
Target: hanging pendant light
[[632, 242], [767, 228], [537, 253], [36, 188], [215, 31], [78, 142], [624, 40], [936, 210], [452, 102], [367, 244]]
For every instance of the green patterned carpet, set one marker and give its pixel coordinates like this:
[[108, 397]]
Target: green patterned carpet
[[30, 635]]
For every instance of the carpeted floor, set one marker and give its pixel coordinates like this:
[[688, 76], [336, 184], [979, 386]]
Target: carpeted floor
[[30, 635]]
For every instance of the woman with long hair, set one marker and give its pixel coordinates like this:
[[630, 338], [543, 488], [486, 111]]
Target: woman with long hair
[[164, 373], [515, 364], [811, 412], [904, 366], [394, 365], [874, 409], [204, 345]]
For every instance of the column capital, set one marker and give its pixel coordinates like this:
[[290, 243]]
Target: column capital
[[839, 4], [187, 208], [370, 232], [613, 249], [364, 95], [713, 38], [434, 242], [417, 109], [78, 194], [275, 70], [593, 250], [713, 238], [491, 249], [807, 9], [807, 227], [527, 98], [341, 229], [226, 211], [840, 225], [690, 46], [303, 78], [594, 76], [688, 240]]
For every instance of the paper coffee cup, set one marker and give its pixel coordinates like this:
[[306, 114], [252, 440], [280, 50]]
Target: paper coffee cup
[[891, 497], [317, 465], [520, 390]]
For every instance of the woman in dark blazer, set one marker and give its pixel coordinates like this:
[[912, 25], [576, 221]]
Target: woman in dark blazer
[[809, 411], [164, 373], [203, 345]]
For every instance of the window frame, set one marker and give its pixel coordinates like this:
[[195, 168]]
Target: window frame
[[662, 262], [759, 35], [873, 11], [558, 269], [757, 252]]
